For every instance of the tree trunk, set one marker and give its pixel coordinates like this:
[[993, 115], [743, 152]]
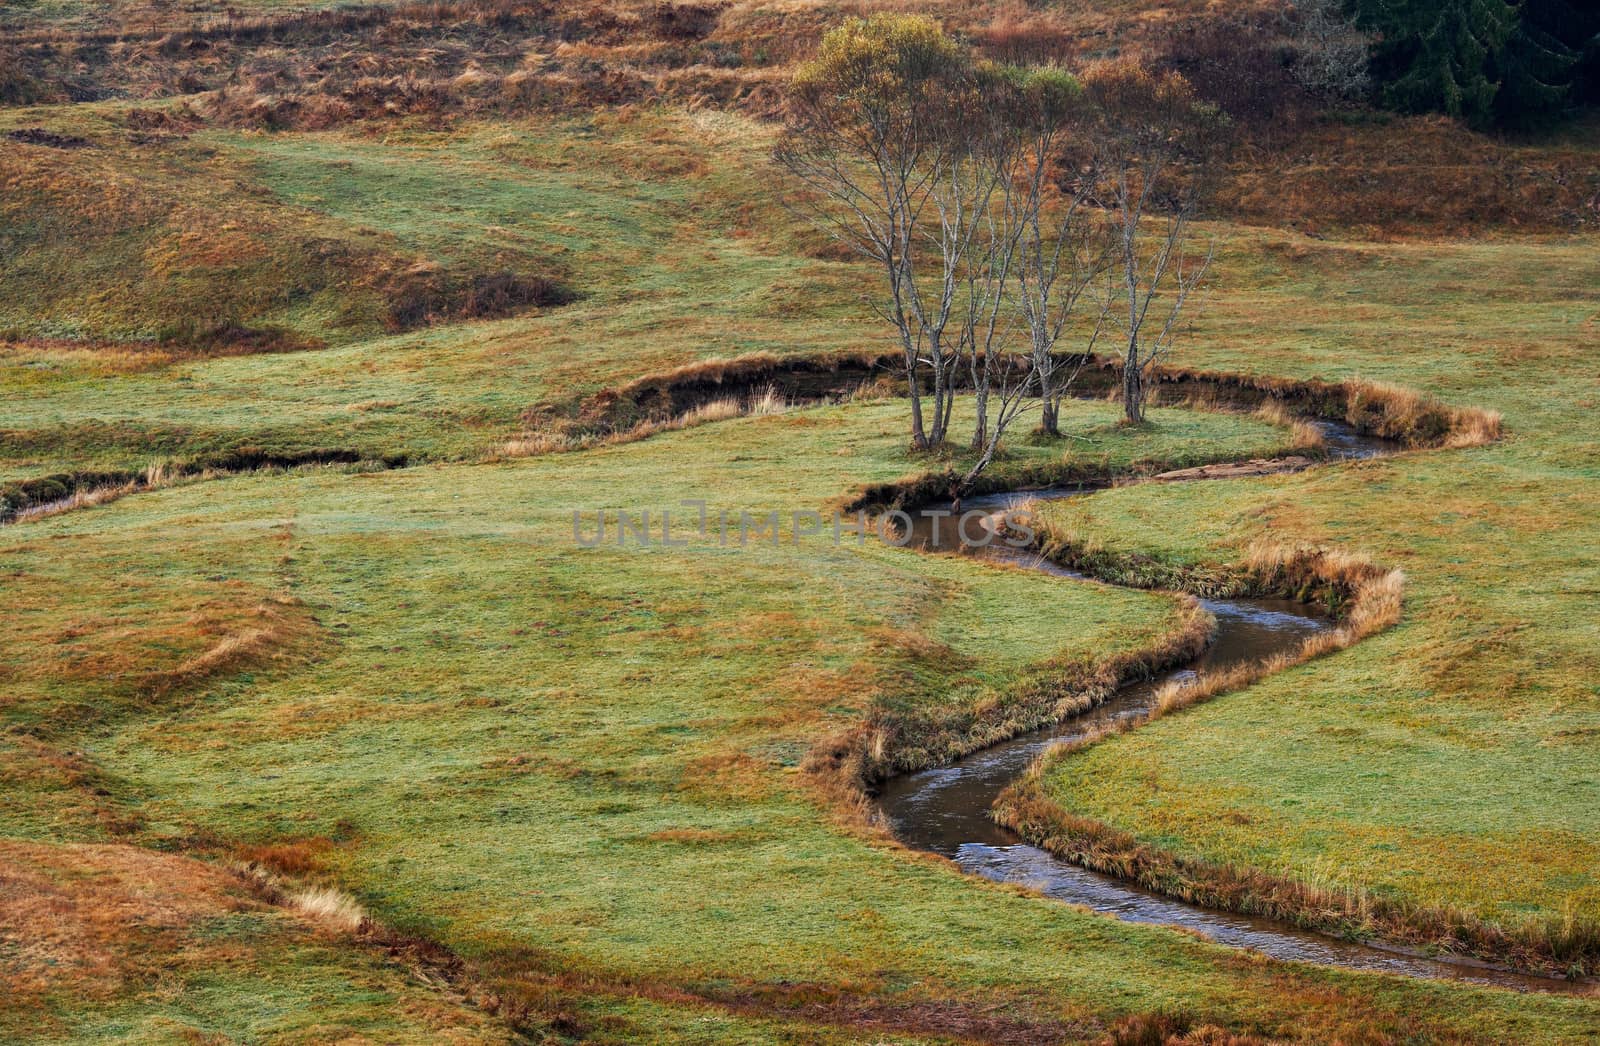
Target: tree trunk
[[977, 467], [1049, 398], [980, 430], [1133, 386], [919, 440], [1050, 414], [941, 393]]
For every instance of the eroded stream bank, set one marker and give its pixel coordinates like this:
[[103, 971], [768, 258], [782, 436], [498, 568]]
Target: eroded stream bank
[[946, 810]]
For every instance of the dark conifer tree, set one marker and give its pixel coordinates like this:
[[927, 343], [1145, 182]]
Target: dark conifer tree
[[1439, 55], [1539, 62], [1511, 63]]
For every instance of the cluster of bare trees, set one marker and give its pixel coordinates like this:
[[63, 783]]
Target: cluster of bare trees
[[1005, 209]]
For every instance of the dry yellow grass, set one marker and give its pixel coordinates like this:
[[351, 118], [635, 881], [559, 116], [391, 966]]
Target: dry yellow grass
[[1397, 412], [329, 908], [1308, 438]]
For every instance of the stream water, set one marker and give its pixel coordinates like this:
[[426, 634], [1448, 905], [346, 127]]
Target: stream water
[[946, 810]]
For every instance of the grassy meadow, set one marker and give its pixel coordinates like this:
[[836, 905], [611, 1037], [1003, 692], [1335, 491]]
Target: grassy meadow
[[571, 788], [1457, 747], [674, 257], [585, 763]]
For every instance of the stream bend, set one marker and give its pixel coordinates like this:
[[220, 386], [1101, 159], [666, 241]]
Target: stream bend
[[945, 810]]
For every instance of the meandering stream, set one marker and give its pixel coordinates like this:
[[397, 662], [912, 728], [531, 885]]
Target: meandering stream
[[946, 810]]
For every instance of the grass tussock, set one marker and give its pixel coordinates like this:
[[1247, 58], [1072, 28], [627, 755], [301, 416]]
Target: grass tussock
[[1399, 413], [1308, 438], [329, 908], [326, 907], [283, 628]]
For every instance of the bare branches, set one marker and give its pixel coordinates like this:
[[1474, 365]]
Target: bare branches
[[1004, 209], [869, 138], [1153, 143]]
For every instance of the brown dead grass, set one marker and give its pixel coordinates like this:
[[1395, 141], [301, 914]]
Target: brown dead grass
[[329, 908], [1396, 412], [1398, 177], [89, 919]]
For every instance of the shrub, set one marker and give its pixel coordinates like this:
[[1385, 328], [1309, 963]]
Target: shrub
[[1244, 64]]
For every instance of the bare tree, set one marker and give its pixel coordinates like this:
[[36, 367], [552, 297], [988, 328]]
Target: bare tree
[[1330, 50], [869, 133], [1035, 257], [994, 154], [1061, 243], [1003, 380], [1153, 142]]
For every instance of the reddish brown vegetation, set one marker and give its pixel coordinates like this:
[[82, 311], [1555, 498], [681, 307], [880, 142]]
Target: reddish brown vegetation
[[1414, 176], [1241, 62], [1381, 176], [1023, 35], [91, 920], [297, 858]]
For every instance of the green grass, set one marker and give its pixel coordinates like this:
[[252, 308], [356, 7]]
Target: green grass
[[586, 764], [1450, 760], [592, 753], [677, 258]]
